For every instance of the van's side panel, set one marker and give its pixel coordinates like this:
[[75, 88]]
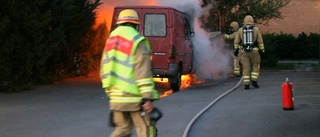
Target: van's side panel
[[183, 42], [179, 35], [188, 52]]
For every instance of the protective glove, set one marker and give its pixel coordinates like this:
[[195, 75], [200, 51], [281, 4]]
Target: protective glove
[[226, 36], [236, 52], [261, 52]]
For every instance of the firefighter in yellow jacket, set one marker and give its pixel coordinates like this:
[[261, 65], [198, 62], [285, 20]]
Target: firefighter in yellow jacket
[[249, 43], [127, 78], [233, 30]]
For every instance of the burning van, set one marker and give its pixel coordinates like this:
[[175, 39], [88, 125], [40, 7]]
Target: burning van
[[169, 32]]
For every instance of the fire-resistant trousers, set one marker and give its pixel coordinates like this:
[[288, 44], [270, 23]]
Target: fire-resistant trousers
[[236, 66], [125, 121], [251, 66]]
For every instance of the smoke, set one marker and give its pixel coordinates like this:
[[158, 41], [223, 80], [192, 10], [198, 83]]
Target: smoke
[[190, 7], [212, 58]]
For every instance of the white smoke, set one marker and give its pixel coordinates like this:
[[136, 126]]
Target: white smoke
[[190, 7], [212, 58]]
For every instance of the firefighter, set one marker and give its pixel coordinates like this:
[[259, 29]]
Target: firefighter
[[234, 26], [248, 43], [127, 78]]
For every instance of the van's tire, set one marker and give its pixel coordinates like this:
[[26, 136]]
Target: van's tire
[[176, 83]]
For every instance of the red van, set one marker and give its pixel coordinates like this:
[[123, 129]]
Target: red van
[[169, 32]]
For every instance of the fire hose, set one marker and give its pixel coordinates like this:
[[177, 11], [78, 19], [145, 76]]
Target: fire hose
[[186, 131]]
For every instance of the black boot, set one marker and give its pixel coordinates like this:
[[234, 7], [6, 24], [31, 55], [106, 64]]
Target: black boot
[[255, 84], [246, 87]]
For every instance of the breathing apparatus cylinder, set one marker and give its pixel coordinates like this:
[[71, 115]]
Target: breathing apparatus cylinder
[[287, 95]]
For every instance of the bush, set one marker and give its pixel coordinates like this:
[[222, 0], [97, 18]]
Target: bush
[[269, 59], [40, 40], [288, 47]]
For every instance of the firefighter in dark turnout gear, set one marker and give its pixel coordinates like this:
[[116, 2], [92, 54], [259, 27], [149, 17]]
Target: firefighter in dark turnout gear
[[127, 78], [233, 30], [248, 43]]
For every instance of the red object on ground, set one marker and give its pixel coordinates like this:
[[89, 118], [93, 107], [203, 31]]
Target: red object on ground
[[287, 96]]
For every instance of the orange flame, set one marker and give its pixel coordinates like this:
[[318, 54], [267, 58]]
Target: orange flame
[[186, 81]]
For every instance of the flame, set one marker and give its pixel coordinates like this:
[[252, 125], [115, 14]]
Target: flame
[[167, 93], [186, 81], [161, 80]]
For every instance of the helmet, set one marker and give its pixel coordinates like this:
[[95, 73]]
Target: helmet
[[234, 25], [248, 20], [128, 15]]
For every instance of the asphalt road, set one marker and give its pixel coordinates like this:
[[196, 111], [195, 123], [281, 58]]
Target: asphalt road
[[79, 108]]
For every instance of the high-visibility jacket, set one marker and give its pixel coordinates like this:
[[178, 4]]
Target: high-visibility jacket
[[118, 66]]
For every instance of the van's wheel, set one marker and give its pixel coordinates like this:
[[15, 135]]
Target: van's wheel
[[176, 81]]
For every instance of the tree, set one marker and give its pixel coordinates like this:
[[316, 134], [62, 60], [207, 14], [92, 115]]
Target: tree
[[223, 12], [92, 47], [40, 37]]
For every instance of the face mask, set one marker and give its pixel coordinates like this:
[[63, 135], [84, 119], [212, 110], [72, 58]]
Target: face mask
[[230, 31]]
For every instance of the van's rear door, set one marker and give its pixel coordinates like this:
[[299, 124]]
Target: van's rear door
[[155, 27]]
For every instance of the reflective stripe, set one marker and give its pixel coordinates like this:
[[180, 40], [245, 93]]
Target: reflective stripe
[[151, 131], [137, 37], [236, 70], [147, 89], [254, 75], [246, 79], [116, 93], [261, 46], [236, 46], [104, 76], [125, 63], [144, 81], [125, 99]]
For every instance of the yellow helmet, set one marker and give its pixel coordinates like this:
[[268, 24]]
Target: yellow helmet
[[128, 15]]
